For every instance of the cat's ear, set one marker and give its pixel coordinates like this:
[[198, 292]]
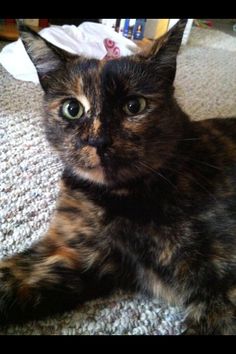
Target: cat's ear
[[45, 56], [165, 49]]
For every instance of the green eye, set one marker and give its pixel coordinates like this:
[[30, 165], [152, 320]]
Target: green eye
[[134, 105], [72, 109]]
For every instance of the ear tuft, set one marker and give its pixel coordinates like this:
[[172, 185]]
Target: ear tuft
[[45, 56], [171, 41], [39, 50], [165, 49]]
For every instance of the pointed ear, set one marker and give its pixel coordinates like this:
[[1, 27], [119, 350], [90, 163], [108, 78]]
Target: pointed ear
[[165, 49], [45, 56]]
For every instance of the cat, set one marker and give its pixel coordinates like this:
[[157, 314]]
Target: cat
[[147, 199]]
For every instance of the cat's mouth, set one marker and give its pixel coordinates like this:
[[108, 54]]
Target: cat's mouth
[[93, 173], [104, 168], [90, 166]]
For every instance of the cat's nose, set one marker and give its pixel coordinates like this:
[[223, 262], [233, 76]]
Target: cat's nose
[[98, 142]]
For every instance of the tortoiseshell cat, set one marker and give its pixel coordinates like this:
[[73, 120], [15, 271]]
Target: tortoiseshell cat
[[147, 200]]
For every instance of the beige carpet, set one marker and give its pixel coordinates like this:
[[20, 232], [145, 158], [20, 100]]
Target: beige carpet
[[205, 87], [206, 75]]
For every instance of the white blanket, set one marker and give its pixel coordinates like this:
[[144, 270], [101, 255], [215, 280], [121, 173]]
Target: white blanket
[[93, 40]]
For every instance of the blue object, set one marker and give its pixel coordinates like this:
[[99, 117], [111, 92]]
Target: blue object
[[126, 28], [139, 27]]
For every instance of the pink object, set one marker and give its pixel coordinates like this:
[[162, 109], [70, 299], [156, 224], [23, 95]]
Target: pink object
[[112, 50]]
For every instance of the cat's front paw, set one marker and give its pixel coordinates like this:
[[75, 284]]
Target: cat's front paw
[[5, 304], [190, 332], [9, 289]]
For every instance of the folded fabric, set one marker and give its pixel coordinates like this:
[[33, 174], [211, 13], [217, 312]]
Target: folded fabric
[[92, 40]]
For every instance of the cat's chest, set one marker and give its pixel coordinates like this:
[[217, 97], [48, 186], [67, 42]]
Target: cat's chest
[[148, 243]]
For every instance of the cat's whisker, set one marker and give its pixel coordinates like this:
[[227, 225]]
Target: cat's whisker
[[167, 138], [178, 172], [188, 158], [194, 180], [157, 173], [184, 159]]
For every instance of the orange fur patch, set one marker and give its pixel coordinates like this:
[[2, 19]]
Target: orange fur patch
[[91, 156]]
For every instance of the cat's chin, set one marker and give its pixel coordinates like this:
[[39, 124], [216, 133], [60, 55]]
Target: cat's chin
[[99, 175], [95, 174]]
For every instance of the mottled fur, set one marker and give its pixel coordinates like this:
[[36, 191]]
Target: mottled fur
[[147, 202]]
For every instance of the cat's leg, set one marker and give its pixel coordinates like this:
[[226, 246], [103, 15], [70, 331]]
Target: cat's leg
[[214, 317], [69, 265], [52, 277]]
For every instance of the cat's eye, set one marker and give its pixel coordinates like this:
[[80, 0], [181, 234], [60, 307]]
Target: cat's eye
[[134, 105], [72, 109]]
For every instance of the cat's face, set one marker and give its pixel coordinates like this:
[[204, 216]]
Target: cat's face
[[109, 120]]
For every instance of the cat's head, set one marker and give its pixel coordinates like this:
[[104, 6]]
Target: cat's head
[[111, 121]]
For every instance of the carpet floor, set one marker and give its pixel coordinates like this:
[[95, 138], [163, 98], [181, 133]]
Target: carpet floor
[[205, 88]]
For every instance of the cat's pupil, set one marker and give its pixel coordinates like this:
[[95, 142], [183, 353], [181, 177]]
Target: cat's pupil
[[133, 106], [73, 108]]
